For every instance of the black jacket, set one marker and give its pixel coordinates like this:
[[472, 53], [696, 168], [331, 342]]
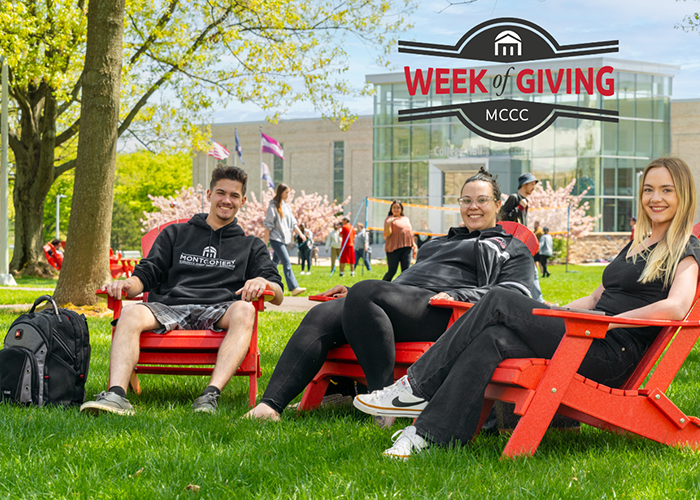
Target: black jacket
[[193, 264], [467, 265], [510, 210]]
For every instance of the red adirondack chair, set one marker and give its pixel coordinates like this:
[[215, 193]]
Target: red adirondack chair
[[342, 362], [188, 352], [540, 388]]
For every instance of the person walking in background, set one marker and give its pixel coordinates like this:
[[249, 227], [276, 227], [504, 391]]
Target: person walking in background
[[398, 236], [280, 227], [363, 250], [546, 251], [538, 234], [305, 247], [334, 242], [633, 223], [515, 207], [347, 232]]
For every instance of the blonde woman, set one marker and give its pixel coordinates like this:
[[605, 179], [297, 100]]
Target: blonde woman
[[280, 228], [649, 279]]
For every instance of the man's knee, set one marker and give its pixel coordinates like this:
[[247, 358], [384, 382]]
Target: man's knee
[[137, 317], [238, 313]]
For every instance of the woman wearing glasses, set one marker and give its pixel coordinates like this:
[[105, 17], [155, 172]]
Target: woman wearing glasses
[[373, 315], [651, 278]]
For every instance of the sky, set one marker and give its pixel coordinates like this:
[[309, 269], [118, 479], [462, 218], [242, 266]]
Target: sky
[[646, 30]]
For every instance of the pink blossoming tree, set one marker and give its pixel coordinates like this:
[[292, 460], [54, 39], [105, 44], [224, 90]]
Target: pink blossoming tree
[[550, 207], [314, 210]]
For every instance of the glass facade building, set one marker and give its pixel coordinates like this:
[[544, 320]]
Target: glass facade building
[[427, 161]]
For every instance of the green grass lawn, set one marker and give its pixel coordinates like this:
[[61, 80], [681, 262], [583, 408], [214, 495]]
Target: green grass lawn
[[58, 453], [35, 282]]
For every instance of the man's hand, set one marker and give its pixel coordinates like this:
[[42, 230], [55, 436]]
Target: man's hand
[[442, 296], [337, 292], [253, 289], [129, 287], [523, 204]]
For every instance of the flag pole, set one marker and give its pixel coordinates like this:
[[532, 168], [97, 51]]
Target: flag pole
[[235, 152], [261, 167]]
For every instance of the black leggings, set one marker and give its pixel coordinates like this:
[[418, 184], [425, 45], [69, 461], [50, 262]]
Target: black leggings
[[400, 255], [372, 318], [543, 262], [454, 373]]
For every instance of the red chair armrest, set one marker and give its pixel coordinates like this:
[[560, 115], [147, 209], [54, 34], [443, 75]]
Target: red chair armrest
[[321, 298], [597, 318], [450, 304]]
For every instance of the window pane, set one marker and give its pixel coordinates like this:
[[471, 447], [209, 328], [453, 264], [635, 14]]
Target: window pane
[[643, 140], [625, 94], [565, 136], [338, 170], [662, 145], [626, 137]]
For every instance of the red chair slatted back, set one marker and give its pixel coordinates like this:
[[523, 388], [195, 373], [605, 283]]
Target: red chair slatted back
[[523, 234], [150, 237]]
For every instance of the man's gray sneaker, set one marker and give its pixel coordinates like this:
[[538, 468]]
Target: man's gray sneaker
[[206, 403], [108, 402]]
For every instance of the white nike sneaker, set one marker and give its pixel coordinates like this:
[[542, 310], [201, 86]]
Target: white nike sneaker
[[397, 400], [406, 441]]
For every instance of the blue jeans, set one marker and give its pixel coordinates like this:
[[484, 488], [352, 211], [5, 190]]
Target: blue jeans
[[360, 254], [281, 255]]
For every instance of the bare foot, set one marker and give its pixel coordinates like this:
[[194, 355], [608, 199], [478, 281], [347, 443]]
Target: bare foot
[[263, 412]]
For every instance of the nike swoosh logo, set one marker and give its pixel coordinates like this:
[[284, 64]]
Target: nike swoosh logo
[[400, 404]]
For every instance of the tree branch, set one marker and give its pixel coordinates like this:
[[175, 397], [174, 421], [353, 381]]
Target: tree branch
[[152, 37], [68, 133], [166, 76], [63, 168], [73, 96]]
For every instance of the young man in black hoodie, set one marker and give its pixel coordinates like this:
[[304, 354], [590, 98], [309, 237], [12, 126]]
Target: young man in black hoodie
[[200, 275]]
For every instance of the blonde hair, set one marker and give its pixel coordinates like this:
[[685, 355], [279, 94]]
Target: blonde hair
[[663, 260]]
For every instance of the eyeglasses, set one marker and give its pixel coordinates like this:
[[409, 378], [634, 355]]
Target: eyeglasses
[[480, 201]]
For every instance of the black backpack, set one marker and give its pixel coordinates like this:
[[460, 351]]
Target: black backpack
[[46, 357]]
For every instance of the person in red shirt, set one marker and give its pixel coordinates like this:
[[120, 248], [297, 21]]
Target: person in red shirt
[[347, 232]]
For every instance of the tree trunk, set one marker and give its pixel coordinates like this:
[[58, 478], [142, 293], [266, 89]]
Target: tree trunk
[[34, 155], [86, 263]]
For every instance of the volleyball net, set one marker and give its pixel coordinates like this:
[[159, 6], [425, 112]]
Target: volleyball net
[[436, 221]]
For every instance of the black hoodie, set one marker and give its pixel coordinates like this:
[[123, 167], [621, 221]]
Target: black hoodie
[[193, 264], [467, 264]]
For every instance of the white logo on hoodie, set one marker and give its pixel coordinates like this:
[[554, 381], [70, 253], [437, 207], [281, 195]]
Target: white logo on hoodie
[[207, 259]]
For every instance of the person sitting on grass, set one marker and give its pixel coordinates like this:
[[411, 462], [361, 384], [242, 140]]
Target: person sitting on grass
[[200, 275], [373, 315], [649, 279]]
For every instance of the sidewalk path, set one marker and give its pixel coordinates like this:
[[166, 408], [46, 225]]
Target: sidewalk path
[[290, 304], [27, 288]]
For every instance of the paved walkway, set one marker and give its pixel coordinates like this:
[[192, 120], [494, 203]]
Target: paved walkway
[[27, 288], [290, 304]]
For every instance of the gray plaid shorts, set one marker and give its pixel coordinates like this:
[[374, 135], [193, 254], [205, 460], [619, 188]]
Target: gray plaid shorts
[[187, 317]]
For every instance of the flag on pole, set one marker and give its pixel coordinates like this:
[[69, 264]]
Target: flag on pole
[[218, 151], [266, 176], [269, 145], [239, 149]]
